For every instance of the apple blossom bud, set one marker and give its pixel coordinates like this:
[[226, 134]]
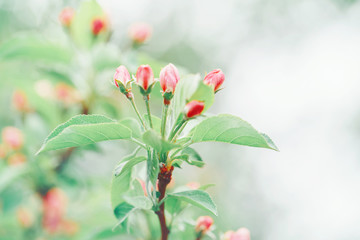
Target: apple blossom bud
[[240, 234], [54, 207], [122, 80], [66, 16], [66, 94], [145, 79], [16, 159], [20, 101], [24, 217], [98, 25], [12, 137], [215, 79], [203, 224], [193, 108], [140, 32], [169, 77]]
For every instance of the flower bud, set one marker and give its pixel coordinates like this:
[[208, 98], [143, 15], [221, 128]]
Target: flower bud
[[140, 32], [145, 78], [20, 101], [16, 159], [215, 79], [193, 108], [240, 234], [122, 80], [169, 77], [54, 207], [12, 137], [66, 16], [203, 224], [24, 217], [66, 94], [98, 25]]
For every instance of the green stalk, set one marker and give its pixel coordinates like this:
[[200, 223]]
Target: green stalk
[[163, 121], [175, 129], [179, 131], [147, 98], [137, 111]]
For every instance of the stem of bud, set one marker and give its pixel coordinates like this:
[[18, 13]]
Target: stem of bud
[[163, 121], [137, 111], [147, 98]]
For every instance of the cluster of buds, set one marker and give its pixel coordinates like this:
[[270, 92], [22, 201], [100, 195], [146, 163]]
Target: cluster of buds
[[203, 225], [140, 32], [240, 234], [165, 172]]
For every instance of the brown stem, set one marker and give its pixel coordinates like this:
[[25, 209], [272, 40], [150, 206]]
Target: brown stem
[[164, 179]]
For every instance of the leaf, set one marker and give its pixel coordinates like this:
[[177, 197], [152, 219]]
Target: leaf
[[152, 167], [122, 211], [125, 167], [33, 48], [230, 129], [132, 124], [85, 129], [197, 198], [194, 158], [206, 186], [155, 121], [204, 93], [119, 185], [140, 202], [154, 140]]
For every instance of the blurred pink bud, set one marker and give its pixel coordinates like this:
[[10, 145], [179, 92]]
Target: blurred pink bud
[[169, 77], [98, 25], [12, 137], [203, 224], [140, 32], [215, 79], [20, 101], [145, 76], [16, 159], [24, 217], [194, 108], [66, 93], [193, 185], [241, 234], [121, 75], [66, 16], [54, 207]]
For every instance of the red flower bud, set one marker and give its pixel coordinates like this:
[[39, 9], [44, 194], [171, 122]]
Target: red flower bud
[[54, 207], [169, 77], [66, 16], [121, 75], [215, 79], [194, 108], [12, 137], [145, 77], [140, 32], [203, 224], [98, 25]]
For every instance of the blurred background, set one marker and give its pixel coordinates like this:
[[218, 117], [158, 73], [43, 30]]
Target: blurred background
[[292, 71]]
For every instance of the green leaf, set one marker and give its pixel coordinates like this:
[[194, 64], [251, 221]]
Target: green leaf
[[125, 167], [119, 185], [85, 129], [152, 167], [194, 158], [80, 27], [140, 202], [122, 211], [197, 198], [206, 186], [155, 121], [205, 94], [230, 129], [134, 125], [154, 140]]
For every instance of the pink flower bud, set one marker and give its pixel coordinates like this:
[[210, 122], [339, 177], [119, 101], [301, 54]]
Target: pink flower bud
[[169, 77], [24, 217], [66, 94], [66, 16], [215, 79], [98, 25], [54, 208], [16, 159], [20, 101], [203, 224], [121, 75], [140, 32], [145, 77], [241, 234], [12, 137], [194, 108]]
